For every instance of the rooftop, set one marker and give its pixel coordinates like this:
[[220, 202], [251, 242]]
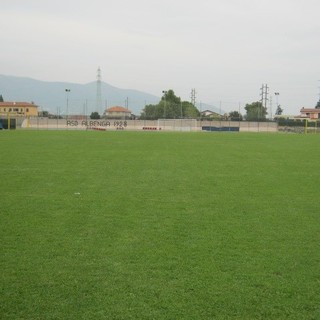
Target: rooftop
[[118, 109], [16, 104]]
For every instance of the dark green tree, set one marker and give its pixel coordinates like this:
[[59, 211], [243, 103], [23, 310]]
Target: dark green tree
[[189, 110], [95, 115], [256, 111], [318, 105], [44, 114], [279, 110], [169, 107], [235, 116], [1, 98]]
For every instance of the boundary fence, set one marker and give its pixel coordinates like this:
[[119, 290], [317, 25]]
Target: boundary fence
[[182, 125]]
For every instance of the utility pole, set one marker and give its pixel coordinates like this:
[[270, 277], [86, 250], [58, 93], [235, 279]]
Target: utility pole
[[264, 97], [98, 97]]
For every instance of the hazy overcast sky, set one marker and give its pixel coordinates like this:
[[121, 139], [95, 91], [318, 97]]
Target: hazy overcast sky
[[225, 49]]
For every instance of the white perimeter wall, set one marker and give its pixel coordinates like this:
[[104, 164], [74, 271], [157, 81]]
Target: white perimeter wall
[[145, 125]]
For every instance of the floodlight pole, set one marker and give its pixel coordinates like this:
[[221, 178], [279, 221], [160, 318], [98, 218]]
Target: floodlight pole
[[165, 102], [58, 117], [319, 93], [277, 95], [67, 92]]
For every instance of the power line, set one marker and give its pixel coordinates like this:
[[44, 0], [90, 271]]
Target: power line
[[98, 97], [264, 95], [193, 96]]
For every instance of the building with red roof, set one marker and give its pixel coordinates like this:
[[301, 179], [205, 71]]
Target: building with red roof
[[19, 109], [117, 112], [310, 113]]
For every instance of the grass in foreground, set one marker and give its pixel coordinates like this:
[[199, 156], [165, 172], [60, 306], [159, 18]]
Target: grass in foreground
[[117, 225]]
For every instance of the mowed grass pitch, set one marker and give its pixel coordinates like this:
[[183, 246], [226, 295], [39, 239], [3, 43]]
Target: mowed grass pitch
[[134, 225]]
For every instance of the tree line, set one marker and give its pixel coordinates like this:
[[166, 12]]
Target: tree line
[[172, 107], [169, 107]]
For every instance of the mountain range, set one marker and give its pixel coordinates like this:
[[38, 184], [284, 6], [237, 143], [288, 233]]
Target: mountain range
[[82, 98]]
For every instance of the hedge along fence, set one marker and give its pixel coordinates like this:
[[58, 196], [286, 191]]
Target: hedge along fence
[[298, 123], [299, 126], [8, 123]]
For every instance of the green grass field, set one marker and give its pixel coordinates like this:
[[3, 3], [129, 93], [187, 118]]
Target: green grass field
[[149, 225]]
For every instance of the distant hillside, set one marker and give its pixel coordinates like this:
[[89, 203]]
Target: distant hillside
[[51, 96]]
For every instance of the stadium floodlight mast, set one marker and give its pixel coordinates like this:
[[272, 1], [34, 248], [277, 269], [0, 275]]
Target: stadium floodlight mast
[[277, 95], [165, 102], [67, 92]]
